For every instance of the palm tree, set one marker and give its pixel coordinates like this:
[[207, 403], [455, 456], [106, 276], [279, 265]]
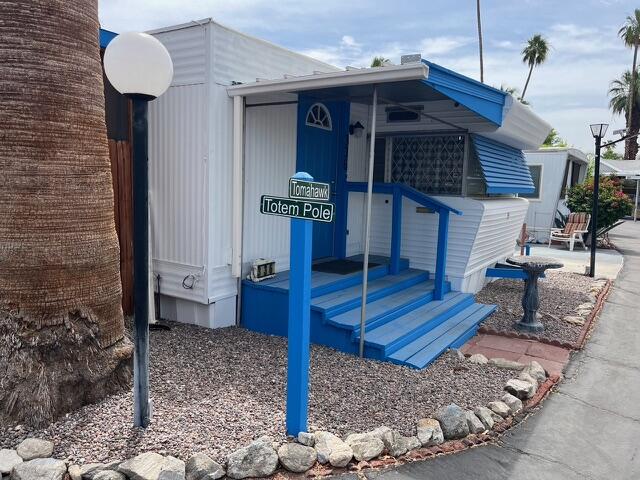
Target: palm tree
[[62, 340], [533, 54], [630, 35], [379, 61], [620, 91], [480, 40]]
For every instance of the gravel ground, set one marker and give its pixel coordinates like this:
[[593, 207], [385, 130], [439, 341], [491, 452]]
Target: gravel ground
[[214, 391], [560, 293]]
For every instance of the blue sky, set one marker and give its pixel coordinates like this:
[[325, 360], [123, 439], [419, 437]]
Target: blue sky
[[569, 91]]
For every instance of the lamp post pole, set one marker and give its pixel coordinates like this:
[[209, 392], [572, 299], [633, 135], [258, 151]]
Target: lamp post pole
[[594, 207]]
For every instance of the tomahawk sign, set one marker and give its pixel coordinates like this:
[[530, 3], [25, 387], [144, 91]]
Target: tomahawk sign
[[288, 207], [305, 190]]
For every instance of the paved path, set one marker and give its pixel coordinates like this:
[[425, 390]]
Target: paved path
[[590, 427]]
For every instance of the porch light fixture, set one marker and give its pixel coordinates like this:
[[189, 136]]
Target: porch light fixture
[[356, 129], [139, 67], [598, 130]]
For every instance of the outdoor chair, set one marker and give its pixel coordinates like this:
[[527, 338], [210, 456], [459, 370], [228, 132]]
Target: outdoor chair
[[577, 225]]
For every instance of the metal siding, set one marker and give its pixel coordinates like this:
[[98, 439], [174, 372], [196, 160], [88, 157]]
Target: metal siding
[[270, 159], [177, 183], [241, 58], [504, 168], [188, 50]]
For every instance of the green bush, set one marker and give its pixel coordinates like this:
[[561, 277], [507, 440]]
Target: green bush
[[612, 206]]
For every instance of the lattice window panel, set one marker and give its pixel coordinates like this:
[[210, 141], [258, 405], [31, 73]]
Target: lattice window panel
[[431, 164]]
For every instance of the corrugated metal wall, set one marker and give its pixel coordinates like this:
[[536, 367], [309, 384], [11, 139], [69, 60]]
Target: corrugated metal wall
[[270, 159], [357, 172], [188, 48]]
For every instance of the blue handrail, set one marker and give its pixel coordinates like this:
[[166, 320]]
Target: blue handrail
[[399, 190], [406, 191]]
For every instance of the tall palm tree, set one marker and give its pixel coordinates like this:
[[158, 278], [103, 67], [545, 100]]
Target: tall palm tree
[[379, 61], [533, 54], [627, 86], [630, 35], [480, 41], [62, 338]]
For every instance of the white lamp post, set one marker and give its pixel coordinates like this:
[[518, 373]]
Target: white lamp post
[[139, 66]]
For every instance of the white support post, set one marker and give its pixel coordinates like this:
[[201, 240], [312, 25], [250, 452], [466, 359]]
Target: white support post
[[367, 229], [238, 193], [635, 208]]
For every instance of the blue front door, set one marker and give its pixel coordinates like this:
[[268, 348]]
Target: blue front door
[[322, 152]]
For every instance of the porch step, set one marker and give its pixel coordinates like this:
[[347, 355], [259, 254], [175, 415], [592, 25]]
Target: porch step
[[340, 301], [386, 339], [387, 308], [452, 333]]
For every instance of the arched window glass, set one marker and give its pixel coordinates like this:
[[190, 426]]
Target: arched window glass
[[318, 116]]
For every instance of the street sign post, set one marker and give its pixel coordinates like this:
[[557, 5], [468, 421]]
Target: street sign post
[[306, 204]]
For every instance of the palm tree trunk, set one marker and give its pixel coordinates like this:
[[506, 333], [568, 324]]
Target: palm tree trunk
[[62, 340], [480, 41], [631, 144], [526, 84]]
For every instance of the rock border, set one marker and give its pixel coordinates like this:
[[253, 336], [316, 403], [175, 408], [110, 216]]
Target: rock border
[[588, 325], [317, 454]]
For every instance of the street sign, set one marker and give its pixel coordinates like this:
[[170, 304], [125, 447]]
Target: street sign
[[287, 207], [307, 190]]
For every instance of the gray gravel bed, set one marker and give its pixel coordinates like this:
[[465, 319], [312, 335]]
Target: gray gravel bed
[[214, 391], [560, 293]]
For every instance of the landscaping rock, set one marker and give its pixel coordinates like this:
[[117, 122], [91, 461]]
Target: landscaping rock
[[496, 418], [74, 472], [500, 408], [172, 469], [452, 421], [331, 449], [89, 470], [8, 459], [474, 423], [31, 448], [109, 475], [365, 446], [146, 466], [585, 306], [504, 363], [201, 467], [307, 439], [520, 388], [524, 376], [40, 469], [514, 403], [429, 432], [574, 320], [536, 371], [458, 354], [479, 359], [258, 459], [485, 416], [296, 457], [400, 444]]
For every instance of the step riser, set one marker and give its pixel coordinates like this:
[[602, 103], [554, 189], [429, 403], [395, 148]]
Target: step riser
[[390, 348], [373, 296]]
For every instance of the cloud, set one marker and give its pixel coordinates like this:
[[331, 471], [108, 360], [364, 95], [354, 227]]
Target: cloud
[[442, 45]]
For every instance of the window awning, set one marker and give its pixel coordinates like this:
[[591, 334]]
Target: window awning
[[504, 168]]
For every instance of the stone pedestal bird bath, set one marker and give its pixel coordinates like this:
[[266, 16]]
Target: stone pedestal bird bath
[[533, 267]]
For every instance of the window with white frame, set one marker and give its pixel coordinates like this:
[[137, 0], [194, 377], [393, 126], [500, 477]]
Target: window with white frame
[[318, 116], [433, 164], [536, 176]]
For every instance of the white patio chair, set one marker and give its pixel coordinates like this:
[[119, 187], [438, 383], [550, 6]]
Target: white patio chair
[[577, 225]]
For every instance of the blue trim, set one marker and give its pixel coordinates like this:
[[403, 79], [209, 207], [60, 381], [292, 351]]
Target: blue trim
[[396, 232], [406, 191], [504, 168], [441, 255], [299, 322], [486, 101], [105, 37], [342, 202]]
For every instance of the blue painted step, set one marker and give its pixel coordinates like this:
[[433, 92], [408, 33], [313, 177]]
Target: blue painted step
[[451, 333], [384, 340], [387, 308], [340, 301]]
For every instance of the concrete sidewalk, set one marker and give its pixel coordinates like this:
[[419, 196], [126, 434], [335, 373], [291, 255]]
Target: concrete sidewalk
[[589, 428]]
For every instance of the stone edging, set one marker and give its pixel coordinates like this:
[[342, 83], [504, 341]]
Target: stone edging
[[582, 338]]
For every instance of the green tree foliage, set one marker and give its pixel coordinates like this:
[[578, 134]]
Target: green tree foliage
[[613, 204], [534, 53], [621, 91], [554, 140], [610, 153], [379, 61]]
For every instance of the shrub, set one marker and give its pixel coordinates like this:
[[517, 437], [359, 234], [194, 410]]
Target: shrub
[[613, 203]]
